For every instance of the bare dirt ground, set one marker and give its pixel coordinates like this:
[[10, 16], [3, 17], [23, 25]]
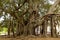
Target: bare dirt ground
[[28, 38]]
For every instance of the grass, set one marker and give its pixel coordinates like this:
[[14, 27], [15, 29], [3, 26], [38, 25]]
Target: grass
[[4, 31]]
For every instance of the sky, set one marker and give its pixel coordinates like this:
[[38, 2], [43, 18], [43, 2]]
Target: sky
[[1, 19], [51, 1]]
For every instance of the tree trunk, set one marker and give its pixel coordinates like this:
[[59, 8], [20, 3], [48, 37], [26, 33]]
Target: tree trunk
[[17, 28], [13, 28], [52, 27], [45, 28], [9, 24], [42, 31]]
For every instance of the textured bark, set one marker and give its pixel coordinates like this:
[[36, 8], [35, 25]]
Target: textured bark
[[18, 28], [55, 30], [25, 30], [52, 28], [45, 28], [42, 31], [12, 28], [9, 28]]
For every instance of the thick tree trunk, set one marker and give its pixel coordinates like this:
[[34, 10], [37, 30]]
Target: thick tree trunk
[[45, 28], [25, 30], [13, 28], [52, 28], [42, 31], [9, 26], [55, 30], [17, 28], [30, 29]]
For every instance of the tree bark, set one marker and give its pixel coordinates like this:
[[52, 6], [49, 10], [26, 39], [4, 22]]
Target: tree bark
[[52, 27], [9, 28], [45, 28]]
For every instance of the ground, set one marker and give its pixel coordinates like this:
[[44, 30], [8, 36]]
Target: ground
[[28, 38]]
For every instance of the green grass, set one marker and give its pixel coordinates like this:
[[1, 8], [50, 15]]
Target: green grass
[[3, 30]]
